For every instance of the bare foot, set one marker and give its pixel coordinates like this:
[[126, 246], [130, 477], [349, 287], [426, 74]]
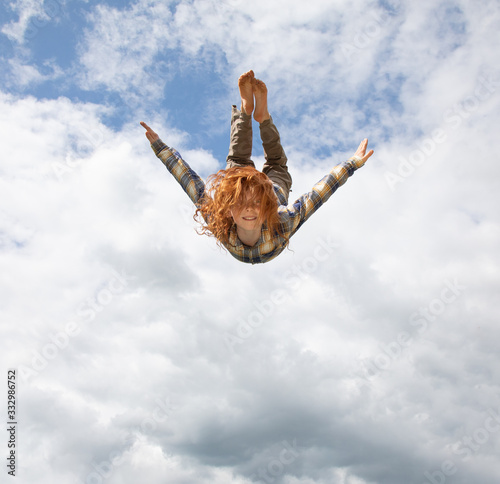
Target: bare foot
[[260, 92], [246, 92]]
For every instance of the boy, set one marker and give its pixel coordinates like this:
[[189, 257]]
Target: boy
[[247, 210]]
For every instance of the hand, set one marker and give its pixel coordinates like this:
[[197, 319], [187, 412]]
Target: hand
[[361, 153], [150, 134]]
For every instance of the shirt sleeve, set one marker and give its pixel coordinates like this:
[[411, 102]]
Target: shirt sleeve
[[307, 204], [187, 178]]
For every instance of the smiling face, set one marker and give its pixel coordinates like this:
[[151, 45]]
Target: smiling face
[[246, 215]]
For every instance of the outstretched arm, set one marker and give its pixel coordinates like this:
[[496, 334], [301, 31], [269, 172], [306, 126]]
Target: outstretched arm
[[307, 204], [189, 180]]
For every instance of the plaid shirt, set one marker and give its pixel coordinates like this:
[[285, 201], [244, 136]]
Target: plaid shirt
[[292, 216]]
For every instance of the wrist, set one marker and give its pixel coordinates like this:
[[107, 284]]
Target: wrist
[[158, 145], [357, 161]]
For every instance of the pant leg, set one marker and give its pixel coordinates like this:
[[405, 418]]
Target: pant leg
[[240, 143], [275, 166]]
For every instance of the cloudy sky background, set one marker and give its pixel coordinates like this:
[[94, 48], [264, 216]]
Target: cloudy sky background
[[368, 355]]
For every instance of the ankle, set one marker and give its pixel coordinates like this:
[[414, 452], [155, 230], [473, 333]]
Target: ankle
[[262, 118], [245, 109]]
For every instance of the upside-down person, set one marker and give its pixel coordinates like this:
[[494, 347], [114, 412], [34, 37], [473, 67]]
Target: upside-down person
[[245, 209]]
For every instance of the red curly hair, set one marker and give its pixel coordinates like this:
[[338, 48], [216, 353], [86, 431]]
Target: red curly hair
[[227, 190]]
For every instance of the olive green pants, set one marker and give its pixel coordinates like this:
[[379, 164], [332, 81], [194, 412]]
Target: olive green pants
[[240, 148]]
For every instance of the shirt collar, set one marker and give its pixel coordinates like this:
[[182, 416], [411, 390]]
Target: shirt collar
[[235, 241]]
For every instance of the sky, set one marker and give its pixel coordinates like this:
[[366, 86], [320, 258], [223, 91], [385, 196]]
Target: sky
[[142, 352]]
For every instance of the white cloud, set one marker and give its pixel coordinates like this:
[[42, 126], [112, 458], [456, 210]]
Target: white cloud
[[22, 74], [120, 51], [28, 10]]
